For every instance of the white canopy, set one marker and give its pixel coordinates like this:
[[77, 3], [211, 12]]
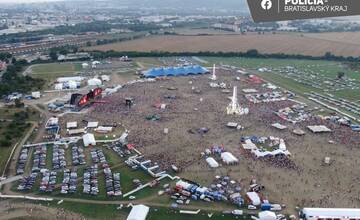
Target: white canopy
[[228, 158], [138, 212], [58, 86], [92, 124], [94, 82], [212, 162], [67, 79], [102, 129], [254, 197], [267, 215], [72, 84], [89, 140], [319, 128], [105, 78], [76, 131], [70, 125]]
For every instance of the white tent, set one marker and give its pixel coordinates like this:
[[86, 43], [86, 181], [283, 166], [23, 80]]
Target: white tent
[[36, 95], [267, 215], [229, 158], [105, 78], [102, 129], [94, 82], [71, 125], [72, 84], [76, 131], [212, 162], [58, 86], [67, 79], [319, 128], [92, 124], [89, 140], [85, 65], [254, 198], [138, 212]]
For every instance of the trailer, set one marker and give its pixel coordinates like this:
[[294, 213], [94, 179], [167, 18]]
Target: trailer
[[329, 213]]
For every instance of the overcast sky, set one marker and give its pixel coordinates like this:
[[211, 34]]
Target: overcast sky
[[23, 1]]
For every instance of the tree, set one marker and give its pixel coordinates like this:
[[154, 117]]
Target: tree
[[5, 143], [53, 55], [340, 75], [18, 103]]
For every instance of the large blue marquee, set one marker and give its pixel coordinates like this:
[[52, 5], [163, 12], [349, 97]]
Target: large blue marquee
[[175, 71]]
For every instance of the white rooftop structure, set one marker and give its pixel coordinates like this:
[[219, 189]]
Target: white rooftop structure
[[58, 86], [228, 158], [138, 212], [67, 79], [212, 162], [53, 121], [319, 128], [89, 140], [92, 124], [36, 95], [85, 65], [76, 131], [72, 84], [249, 90], [267, 215], [234, 108], [337, 212], [94, 82], [105, 78], [71, 125], [254, 197], [279, 126], [102, 129]]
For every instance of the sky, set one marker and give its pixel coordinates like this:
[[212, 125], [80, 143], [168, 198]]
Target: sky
[[23, 1]]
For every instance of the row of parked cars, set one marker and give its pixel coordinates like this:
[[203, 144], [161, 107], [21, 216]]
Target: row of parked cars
[[112, 183], [39, 162], [27, 183], [24, 154], [78, 156], [91, 185], [69, 182], [48, 180], [119, 149], [58, 160], [98, 156]]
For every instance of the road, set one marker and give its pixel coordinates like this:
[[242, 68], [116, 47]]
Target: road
[[11, 169]]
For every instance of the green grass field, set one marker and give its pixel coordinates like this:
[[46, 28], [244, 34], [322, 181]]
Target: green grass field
[[53, 70], [324, 68], [96, 211], [56, 68]]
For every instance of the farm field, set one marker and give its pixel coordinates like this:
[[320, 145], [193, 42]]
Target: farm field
[[291, 43]]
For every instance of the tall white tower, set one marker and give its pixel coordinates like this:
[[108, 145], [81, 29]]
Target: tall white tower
[[213, 77], [234, 108]]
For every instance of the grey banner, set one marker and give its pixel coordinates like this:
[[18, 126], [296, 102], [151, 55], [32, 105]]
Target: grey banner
[[281, 10]]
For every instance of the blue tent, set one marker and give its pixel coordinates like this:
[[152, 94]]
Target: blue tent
[[175, 71]]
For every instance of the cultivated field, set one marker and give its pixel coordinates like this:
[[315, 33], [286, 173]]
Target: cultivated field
[[344, 44]]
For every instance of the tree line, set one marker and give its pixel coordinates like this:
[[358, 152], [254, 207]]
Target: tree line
[[249, 54], [13, 81]]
